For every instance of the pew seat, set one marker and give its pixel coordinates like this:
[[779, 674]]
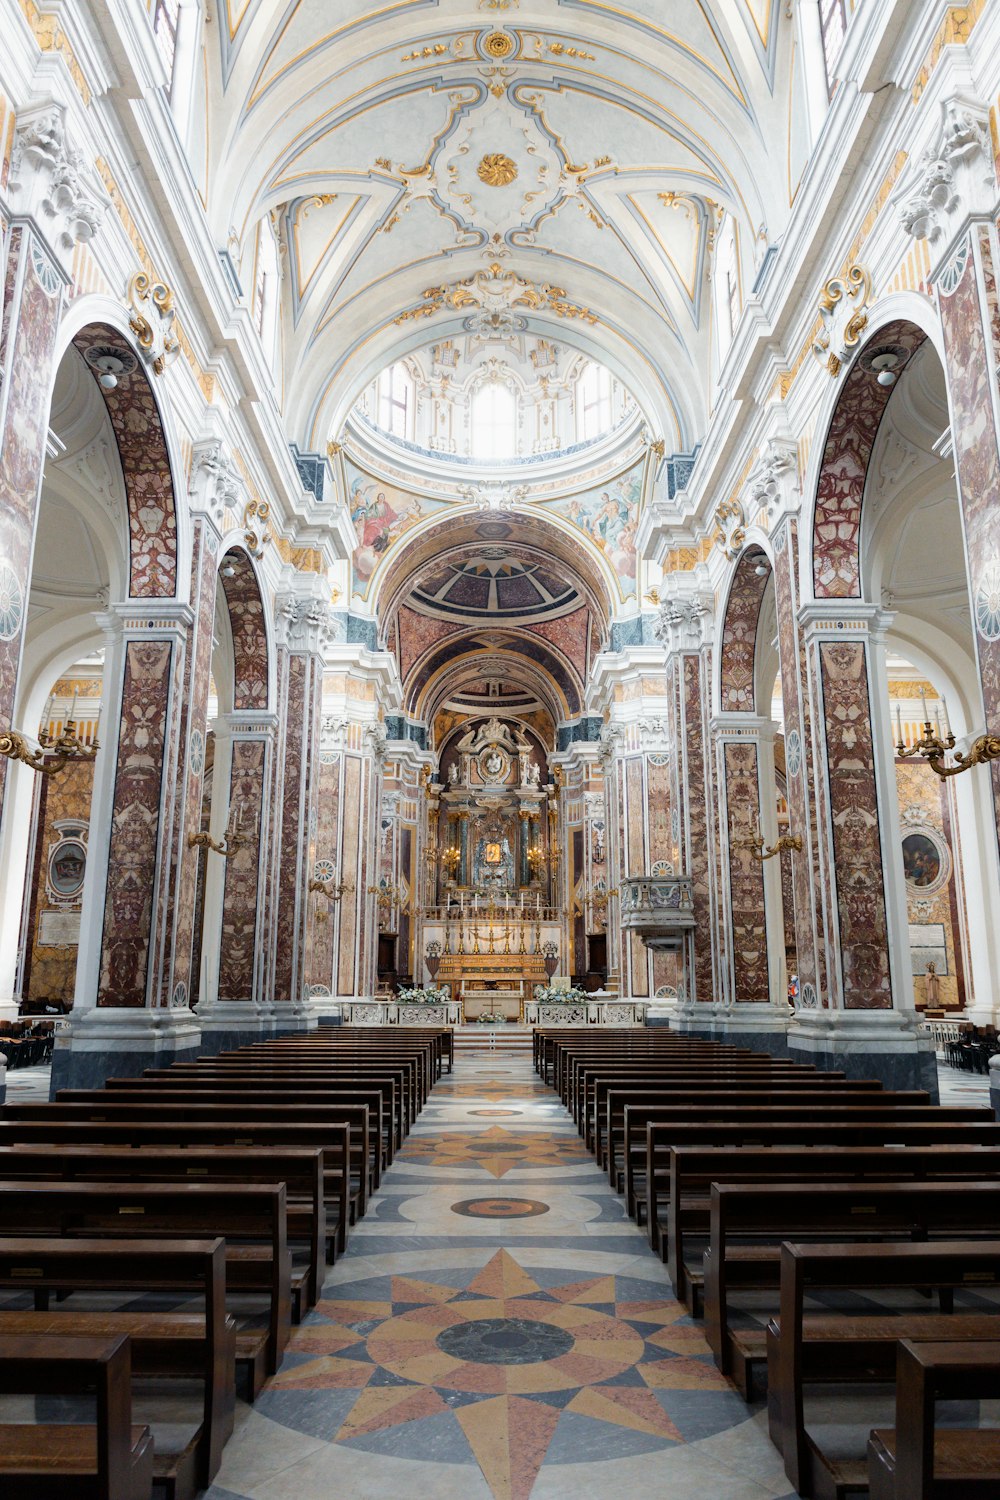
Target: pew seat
[[110, 1458], [917, 1461]]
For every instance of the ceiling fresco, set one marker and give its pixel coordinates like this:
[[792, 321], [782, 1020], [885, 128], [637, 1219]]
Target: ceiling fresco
[[591, 151]]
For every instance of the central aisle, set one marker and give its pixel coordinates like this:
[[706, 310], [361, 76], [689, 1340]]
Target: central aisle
[[498, 1330]]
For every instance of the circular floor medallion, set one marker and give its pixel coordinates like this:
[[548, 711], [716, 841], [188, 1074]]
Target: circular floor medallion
[[493, 1112], [505, 1341], [500, 1208]]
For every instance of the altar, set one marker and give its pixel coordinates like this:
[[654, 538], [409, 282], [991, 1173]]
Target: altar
[[498, 1002], [498, 982]]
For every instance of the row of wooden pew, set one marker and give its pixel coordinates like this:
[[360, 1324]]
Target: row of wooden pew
[[865, 1223], [217, 1192]]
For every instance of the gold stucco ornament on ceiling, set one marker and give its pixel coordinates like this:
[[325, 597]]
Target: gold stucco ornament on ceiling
[[496, 170], [498, 44]]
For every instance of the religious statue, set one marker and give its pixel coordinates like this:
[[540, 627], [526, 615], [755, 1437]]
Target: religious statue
[[453, 774], [932, 987], [494, 762]]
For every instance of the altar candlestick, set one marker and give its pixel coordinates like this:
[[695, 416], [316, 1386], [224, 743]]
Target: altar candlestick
[[947, 720], [899, 725], [923, 701]]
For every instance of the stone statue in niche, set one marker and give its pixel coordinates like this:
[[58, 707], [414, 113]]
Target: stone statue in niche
[[453, 774], [932, 987]]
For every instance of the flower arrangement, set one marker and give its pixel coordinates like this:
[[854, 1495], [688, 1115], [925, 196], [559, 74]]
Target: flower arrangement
[[427, 994], [547, 994], [491, 1018]]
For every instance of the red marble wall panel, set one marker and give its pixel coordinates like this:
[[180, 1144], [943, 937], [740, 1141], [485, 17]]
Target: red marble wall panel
[[31, 308], [291, 795], [135, 824], [246, 620], [854, 814], [746, 875], [971, 325], [319, 968], [739, 633], [637, 864], [194, 731], [846, 455], [138, 428], [806, 907], [349, 870], [241, 895], [697, 857]]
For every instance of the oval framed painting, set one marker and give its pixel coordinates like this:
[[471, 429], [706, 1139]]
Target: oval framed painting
[[926, 861]]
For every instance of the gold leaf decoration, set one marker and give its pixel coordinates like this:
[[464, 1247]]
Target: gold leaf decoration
[[496, 170]]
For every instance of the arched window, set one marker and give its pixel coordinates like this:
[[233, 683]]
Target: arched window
[[494, 421], [594, 402], [395, 401]]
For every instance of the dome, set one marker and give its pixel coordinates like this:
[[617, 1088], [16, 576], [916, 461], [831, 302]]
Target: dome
[[492, 399], [492, 583]]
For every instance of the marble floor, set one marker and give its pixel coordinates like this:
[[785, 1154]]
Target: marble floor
[[498, 1329]]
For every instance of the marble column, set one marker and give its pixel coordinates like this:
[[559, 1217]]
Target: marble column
[[684, 627], [300, 674], [811, 936], [750, 905], [868, 1025], [232, 1010], [124, 963]]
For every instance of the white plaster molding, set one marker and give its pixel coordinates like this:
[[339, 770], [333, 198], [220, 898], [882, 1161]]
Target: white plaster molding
[[685, 621], [954, 178], [773, 482], [216, 484], [305, 624], [52, 180]]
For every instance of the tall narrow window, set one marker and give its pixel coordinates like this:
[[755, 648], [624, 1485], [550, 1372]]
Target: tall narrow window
[[395, 401], [594, 402], [164, 19], [833, 23], [494, 422], [727, 285]]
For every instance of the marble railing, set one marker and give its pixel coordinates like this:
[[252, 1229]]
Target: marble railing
[[659, 909], [587, 1013]]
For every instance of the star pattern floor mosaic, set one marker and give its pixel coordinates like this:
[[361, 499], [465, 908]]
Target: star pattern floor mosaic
[[498, 1331]]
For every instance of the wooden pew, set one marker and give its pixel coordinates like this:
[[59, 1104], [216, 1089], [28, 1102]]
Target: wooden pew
[[416, 1063], [334, 1144], [588, 1074], [142, 1110], [749, 1222], [309, 1221], [845, 1346], [164, 1344], [662, 1139], [607, 1119], [111, 1459], [286, 1077], [745, 1123], [609, 1137], [251, 1218], [223, 1085], [694, 1170], [240, 1100], [442, 1038], [913, 1461]]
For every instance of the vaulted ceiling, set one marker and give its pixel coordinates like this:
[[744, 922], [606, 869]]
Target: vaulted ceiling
[[588, 151]]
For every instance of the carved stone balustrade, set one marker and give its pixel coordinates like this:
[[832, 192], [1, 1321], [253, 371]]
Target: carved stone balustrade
[[658, 908]]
